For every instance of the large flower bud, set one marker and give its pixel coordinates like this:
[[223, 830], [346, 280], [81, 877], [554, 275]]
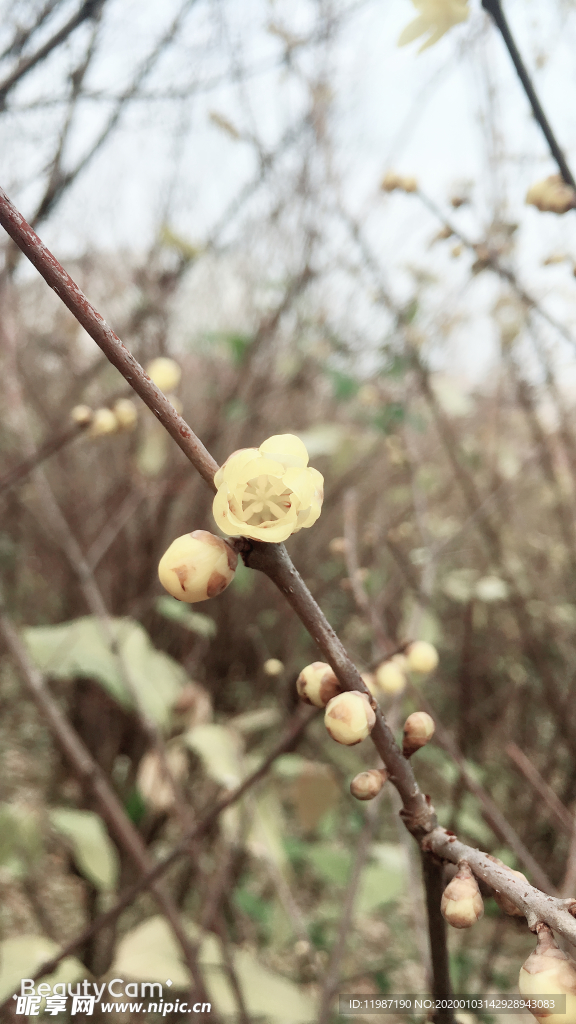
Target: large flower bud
[[418, 731], [197, 566], [317, 684], [165, 373], [367, 785], [549, 971], [349, 717], [505, 903], [461, 902], [390, 676], [421, 657]]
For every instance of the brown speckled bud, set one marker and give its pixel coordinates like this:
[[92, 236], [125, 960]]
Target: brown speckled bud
[[367, 785], [461, 902], [549, 970], [349, 717], [418, 731], [197, 566], [317, 684]]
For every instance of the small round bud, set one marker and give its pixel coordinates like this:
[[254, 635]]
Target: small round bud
[[338, 545], [461, 903], [82, 415], [409, 184], [548, 970], [418, 731], [505, 903], [349, 717], [103, 422], [367, 785], [421, 657], [390, 181], [317, 684], [390, 677], [126, 413], [197, 566], [165, 373], [273, 667]]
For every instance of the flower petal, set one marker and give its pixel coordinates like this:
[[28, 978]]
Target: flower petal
[[287, 448]]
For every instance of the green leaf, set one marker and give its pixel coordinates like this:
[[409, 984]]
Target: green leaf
[[331, 862], [220, 750], [93, 850], [388, 417], [343, 386], [20, 837], [178, 611], [81, 648], [266, 834], [21, 957], [383, 881]]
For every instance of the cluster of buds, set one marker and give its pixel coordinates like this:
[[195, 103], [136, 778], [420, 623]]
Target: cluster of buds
[[197, 566], [123, 416], [367, 785], [552, 195], [392, 181], [420, 657], [462, 904], [549, 971], [391, 675], [418, 731]]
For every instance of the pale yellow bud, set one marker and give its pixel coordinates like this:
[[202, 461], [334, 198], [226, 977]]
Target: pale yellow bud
[[369, 680], [273, 667], [421, 657], [317, 684], [390, 677], [505, 903], [552, 195], [126, 413], [154, 779], [103, 422], [549, 971], [338, 545], [418, 731], [461, 903], [390, 181], [165, 373], [197, 566], [367, 785], [82, 415], [349, 717], [409, 184]]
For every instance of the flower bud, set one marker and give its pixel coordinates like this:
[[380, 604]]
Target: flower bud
[[103, 422], [164, 373], [126, 413], [390, 181], [349, 717], [154, 778], [549, 971], [197, 566], [409, 184], [418, 731], [82, 415], [461, 902], [367, 785], [421, 657], [390, 677], [369, 680], [273, 667], [317, 684]]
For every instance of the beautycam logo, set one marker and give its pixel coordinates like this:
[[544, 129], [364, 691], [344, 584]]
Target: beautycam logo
[[85, 995]]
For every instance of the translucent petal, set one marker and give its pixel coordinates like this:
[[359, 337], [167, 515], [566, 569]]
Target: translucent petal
[[301, 483], [413, 30], [234, 462], [287, 448], [253, 469], [224, 517]]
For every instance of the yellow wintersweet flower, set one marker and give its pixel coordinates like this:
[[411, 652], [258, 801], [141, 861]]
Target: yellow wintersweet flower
[[268, 493], [435, 17]]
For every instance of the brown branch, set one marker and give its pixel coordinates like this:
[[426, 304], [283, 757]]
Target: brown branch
[[67, 290], [530, 772], [433, 872], [54, 444]]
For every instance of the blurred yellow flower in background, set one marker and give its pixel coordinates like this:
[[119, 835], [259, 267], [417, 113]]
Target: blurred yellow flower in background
[[268, 493], [435, 17]]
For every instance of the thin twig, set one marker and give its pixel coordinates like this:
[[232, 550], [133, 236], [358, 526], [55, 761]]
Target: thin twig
[[552, 802]]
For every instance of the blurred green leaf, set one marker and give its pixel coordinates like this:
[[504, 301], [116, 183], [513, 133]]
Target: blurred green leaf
[[93, 850], [344, 387], [22, 956], [330, 862], [253, 906], [388, 417], [21, 842], [150, 953], [220, 750], [81, 648], [183, 614]]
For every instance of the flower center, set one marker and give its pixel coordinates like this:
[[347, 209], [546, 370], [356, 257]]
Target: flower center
[[264, 500]]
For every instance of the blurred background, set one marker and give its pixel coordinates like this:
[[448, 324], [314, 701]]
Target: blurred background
[[328, 235]]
